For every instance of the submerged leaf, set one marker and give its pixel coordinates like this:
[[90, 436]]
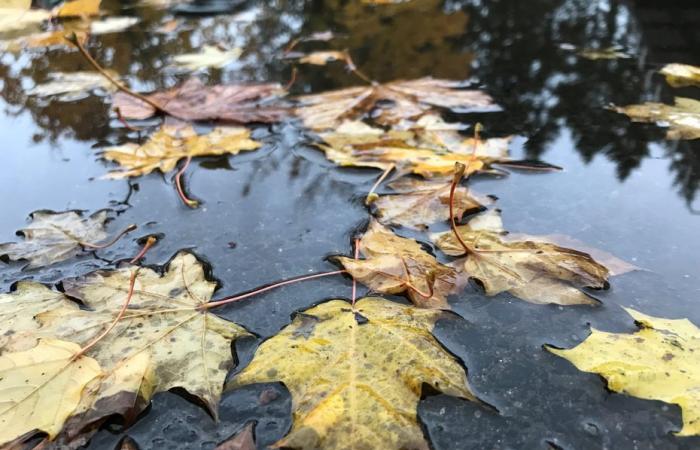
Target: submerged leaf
[[70, 86], [17, 15], [679, 75], [356, 376], [323, 58], [168, 145], [421, 203], [243, 440], [389, 103], [194, 101], [661, 361], [395, 264], [112, 24], [41, 387], [54, 237], [603, 53], [210, 56], [532, 269], [682, 119]]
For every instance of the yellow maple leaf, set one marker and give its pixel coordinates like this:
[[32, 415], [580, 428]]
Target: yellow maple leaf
[[658, 362]]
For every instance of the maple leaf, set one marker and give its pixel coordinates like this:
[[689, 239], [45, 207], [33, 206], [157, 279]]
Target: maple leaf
[[680, 75], [530, 268], [428, 151], [194, 101], [418, 203], [171, 143], [658, 362], [682, 119], [69, 86], [407, 100], [210, 56], [395, 264], [54, 237], [355, 374], [163, 340]]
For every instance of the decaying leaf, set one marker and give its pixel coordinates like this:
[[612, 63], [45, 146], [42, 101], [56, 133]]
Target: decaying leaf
[[164, 340], [395, 264], [419, 203], [356, 375], [679, 75], [53, 237], [70, 86], [658, 362], [423, 151], [194, 101], [389, 103], [323, 58], [41, 387], [532, 269], [112, 24], [242, 440], [168, 145], [682, 119], [209, 56]]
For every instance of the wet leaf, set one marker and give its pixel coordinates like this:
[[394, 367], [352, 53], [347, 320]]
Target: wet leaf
[[356, 379], [395, 264], [41, 387], [243, 440], [194, 101], [388, 103], [70, 86], [532, 269], [418, 203], [423, 151], [323, 58], [168, 145], [209, 56], [658, 362], [49, 39], [603, 53], [78, 8], [680, 75], [682, 119], [17, 15], [163, 340], [112, 25], [54, 237]]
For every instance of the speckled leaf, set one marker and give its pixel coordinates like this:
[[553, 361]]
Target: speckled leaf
[[356, 374], [661, 361], [53, 237], [394, 264]]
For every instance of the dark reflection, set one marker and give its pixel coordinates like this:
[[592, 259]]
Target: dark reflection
[[513, 48]]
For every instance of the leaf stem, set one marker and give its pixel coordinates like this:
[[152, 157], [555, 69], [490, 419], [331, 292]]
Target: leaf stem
[[126, 230], [123, 121], [132, 282], [353, 68], [150, 242], [354, 281], [178, 185], [270, 287], [371, 196], [459, 173]]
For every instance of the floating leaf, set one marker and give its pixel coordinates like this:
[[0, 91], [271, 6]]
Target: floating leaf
[[405, 99], [680, 75], [658, 362], [682, 119], [112, 25], [78, 8], [323, 58], [54, 237], [395, 264], [40, 388], [168, 145], [418, 204], [210, 56], [17, 15], [355, 374], [531, 269], [194, 101], [70, 86], [603, 53]]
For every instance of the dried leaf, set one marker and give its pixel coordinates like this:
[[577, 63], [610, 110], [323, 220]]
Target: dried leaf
[[682, 119], [210, 56], [194, 101], [112, 25], [71, 86], [78, 8], [242, 440], [531, 269], [395, 264], [421, 203], [405, 99], [680, 75], [168, 145], [356, 378], [54, 237], [41, 387], [658, 362], [323, 58]]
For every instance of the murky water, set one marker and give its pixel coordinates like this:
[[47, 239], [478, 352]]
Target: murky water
[[625, 189]]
